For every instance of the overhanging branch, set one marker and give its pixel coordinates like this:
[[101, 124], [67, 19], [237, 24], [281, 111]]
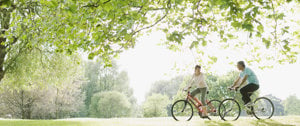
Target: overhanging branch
[[159, 20]]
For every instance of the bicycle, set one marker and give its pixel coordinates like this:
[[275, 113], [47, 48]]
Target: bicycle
[[183, 110], [262, 108]]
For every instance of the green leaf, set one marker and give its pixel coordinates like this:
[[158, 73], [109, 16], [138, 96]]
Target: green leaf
[[165, 30], [213, 58], [247, 26], [258, 34], [280, 16], [236, 24], [91, 56], [175, 37], [194, 43], [221, 33], [266, 42], [260, 28], [230, 36], [204, 43]]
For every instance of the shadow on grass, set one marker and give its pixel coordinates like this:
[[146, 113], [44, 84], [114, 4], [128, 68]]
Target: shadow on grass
[[269, 122], [217, 123]]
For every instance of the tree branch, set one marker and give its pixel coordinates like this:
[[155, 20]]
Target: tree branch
[[96, 4], [106, 1], [155, 23]]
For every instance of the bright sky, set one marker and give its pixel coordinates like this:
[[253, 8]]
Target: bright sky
[[149, 62]]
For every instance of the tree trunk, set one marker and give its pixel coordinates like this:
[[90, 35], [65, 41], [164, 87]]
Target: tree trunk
[[22, 105], [56, 104], [4, 27]]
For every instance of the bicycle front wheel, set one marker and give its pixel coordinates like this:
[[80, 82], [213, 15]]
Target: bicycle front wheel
[[229, 109], [213, 107], [182, 110], [263, 108]]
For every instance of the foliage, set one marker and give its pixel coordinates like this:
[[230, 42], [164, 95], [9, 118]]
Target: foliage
[[106, 28], [43, 86], [155, 105], [99, 28], [166, 87], [278, 105], [292, 105], [224, 24], [109, 104], [100, 79]]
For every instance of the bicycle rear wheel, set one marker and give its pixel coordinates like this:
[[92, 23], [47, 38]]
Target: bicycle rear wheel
[[213, 107], [263, 108], [182, 110], [229, 109]]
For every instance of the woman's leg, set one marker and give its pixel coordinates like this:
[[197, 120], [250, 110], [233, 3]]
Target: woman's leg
[[203, 100], [203, 95], [194, 92]]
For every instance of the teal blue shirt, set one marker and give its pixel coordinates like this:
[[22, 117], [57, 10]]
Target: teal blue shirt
[[251, 76]]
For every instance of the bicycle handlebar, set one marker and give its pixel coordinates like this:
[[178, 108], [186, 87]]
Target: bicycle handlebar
[[233, 89]]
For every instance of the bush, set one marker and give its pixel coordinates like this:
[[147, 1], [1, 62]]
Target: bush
[[156, 105], [109, 104]]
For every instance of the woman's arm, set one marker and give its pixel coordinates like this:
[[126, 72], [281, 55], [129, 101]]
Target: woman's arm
[[190, 82]]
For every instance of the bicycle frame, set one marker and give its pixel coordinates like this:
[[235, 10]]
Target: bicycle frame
[[235, 91], [249, 109], [198, 107]]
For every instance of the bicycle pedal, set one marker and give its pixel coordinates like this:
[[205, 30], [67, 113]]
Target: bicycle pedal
[[249, 112], [206, 117]]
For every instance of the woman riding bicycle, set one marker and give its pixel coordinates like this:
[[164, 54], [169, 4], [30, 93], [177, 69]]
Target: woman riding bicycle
[[199, 80], [246, 75]]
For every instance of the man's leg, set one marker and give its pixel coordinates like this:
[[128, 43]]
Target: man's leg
[[245, 92], [245, 96], [252, 88]]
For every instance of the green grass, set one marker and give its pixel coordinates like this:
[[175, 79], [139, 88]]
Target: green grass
[[164, 121]]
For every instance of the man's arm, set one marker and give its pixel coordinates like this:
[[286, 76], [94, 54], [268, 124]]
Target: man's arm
[[236, 82], [243, 81]]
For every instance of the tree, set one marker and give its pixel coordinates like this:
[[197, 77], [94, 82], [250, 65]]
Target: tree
[[292, 105], [101, 79], [102, 29], [41, 84], [20, 103], [166, 87], [156, 105], [278, 105], [218, 24], [109, 104], [25, 24]]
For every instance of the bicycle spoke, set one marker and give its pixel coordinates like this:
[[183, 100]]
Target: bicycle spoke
[[263, 108], [182, 110], [230, 110], [212, 107]]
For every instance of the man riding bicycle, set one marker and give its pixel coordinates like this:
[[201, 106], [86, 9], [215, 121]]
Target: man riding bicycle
[[252, 83]]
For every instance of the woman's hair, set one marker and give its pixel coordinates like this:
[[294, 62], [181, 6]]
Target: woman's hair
[[242, 63], [197, 66]]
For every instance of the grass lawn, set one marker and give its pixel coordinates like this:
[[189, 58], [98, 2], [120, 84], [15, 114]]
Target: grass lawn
[[164, 121]]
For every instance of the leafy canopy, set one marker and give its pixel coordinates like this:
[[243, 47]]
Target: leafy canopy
[[105, 28]]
